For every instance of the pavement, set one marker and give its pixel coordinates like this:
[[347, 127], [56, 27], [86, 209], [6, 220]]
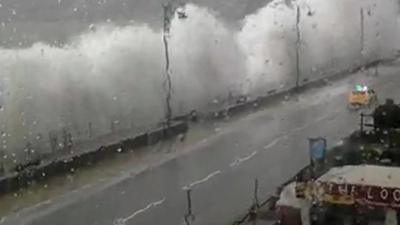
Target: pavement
[[270, 145]]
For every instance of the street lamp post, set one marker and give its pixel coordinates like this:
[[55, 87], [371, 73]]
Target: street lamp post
[[169, 11], [362, 31], [298, 39]]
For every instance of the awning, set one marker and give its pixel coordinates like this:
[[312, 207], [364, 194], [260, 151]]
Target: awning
[[288, 197], [365, 184]]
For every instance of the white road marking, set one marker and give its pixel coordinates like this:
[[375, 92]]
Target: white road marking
[[122, 221], [239, 161], [48, 202], [275, 142], [211, 175]]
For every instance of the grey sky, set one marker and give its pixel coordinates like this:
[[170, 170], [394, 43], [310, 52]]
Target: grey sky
[[24, 22]]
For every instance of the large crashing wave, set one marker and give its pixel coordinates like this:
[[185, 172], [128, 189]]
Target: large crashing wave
[[111, 78], [330, 34]]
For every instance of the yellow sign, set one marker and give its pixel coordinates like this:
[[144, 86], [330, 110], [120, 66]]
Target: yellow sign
[[338, 199], [358, 98], [314, 191]]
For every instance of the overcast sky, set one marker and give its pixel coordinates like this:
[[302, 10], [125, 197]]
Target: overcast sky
[[26, 21]]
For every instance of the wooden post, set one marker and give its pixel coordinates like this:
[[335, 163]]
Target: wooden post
[[256, 202], [90, 130], [2, 169], [189, 200], [362, 122], [112, 126], [189, 217]]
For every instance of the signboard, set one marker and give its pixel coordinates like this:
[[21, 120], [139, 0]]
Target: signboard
[[338, 199], [317, 154], [317, 149], [363, 195]]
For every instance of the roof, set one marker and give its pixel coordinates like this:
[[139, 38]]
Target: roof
[[288, 196], [367, 175]]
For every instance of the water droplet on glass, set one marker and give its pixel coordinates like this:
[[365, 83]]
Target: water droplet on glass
[[92, 27]]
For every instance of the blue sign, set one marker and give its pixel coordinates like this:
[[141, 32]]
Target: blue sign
[[317, 148]]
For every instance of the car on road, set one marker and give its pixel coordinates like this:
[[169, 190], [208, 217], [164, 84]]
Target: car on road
[[362, 96]]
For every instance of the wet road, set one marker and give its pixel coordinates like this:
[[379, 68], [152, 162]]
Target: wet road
[[270, 145]]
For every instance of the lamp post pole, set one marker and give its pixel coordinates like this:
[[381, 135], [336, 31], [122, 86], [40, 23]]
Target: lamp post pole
[[169, 11], [298, 39]]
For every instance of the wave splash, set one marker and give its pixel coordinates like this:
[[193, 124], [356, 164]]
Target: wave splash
[[111, 77]]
